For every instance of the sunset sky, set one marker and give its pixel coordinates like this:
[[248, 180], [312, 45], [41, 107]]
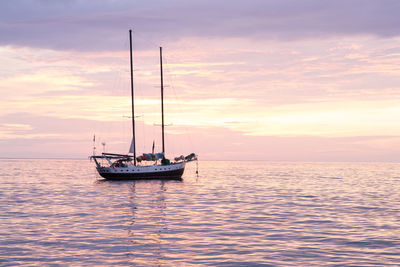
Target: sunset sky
[[282, 80]]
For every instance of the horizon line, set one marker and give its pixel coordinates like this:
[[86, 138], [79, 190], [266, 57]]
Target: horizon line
[[219, 160]]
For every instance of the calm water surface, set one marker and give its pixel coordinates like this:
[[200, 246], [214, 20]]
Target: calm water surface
[[56, 212]]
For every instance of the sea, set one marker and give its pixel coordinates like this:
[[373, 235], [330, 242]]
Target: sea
[[59, 212]]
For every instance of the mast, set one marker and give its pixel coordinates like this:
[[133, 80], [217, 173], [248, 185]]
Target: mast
[[132, 100], [162, 102]]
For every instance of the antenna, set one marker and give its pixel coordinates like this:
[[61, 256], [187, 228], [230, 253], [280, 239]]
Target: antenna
[[94, 144]]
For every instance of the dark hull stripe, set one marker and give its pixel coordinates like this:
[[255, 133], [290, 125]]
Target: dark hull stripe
[[166, 175]]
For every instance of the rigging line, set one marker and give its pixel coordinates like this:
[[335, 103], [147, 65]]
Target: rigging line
[[171, 76], [140, 93], [168, 79], [114, 89], [141, 126], [178, 106], [126, 124]]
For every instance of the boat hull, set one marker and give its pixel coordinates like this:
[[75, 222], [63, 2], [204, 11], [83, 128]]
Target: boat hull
[[169, 173]]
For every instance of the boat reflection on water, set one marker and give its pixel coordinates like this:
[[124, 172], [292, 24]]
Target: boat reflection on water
[[148, 229]]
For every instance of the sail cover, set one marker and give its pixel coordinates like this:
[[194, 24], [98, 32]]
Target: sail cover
[[132, 148]]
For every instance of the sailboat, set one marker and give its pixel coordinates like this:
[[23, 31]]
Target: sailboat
[[115, 166]]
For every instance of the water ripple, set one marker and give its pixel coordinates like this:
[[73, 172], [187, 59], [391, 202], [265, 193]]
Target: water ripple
[[235, 214]]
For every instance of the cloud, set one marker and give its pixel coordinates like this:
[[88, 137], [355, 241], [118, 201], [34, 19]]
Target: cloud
[[102, 25], [218, 143], [244, 78], [285, 91], [46, 136]]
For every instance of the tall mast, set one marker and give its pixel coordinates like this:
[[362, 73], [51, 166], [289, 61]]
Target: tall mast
[[162, 102], [133, 106]]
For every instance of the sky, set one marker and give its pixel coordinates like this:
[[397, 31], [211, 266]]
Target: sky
[[287, 80]]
